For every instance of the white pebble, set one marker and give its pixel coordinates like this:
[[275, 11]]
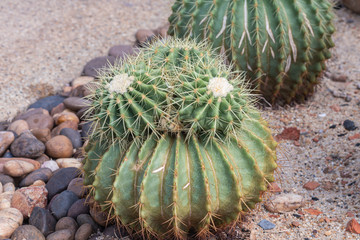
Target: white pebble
[[52, 165]]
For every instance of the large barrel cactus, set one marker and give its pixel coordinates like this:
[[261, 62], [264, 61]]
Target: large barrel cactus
[[281, 44], [201, 158]]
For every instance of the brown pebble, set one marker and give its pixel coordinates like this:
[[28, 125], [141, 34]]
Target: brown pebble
[[59, 147], [40, 121], [68, 124], [58, 109], [19, 126], [42, 134], [83, 232], [311, 185]]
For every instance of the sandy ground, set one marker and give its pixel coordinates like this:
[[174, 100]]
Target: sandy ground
[[45, 44]]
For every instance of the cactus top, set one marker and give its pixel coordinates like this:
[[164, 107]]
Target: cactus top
[[171, 86]]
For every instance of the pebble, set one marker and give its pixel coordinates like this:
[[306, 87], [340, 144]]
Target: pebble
[[42, 134], [9, 187], [42, 219], [6, 138], [17, 167], [285, 202], [291, 133], [99, 216], [25, 199], [8, 154], [266, 225], [27, 146], [64, 234], [48, 103], [65, 116], [336, 77], [60, 180], [144, 36], [355, 136], [27, 232], [77, 208], [312, 211], [67, 124], [77, 186], [120, 51], [82, 80], [353, 226], [67, 223], [162, 31], [84, 232], [312, 185], [43, 174], [349, 125], [5, 200], [69, 162], [73, 135], [43, 158], [86, 218], [40, 121], [93, 66], [4, 179], [60, 205], [10, 220], [58, 109], [114, 231], [59, 147], [52, 165], [19, 126], [30, 112], [76, 103], [274, 187], [353, 5]]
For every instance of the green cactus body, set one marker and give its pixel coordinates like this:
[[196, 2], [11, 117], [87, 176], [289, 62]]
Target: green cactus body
[[172, 185], [200, 156], [281, 44]]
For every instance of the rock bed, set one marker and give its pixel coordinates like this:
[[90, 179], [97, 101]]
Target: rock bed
[[41, 193]]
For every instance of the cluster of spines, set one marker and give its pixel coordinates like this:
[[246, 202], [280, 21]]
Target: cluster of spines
[[282, 44]]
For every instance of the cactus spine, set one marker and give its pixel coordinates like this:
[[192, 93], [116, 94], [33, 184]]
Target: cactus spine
[[201, 158], [281, 44]]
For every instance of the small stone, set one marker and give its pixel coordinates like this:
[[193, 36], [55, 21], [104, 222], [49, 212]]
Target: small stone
[[311, 185], [144, 36], [349, 125], [4, 179], [77, 186], [42, 219], [43, 174], [291, 133], [52, 165], [162, 31], [58, 109], [81, 81], [86, 218], [5, 200], [19, 126], [6, 138], [274, 188], [48, 103], [327, 185], [285, 202], [115, 232], [17, 167], [99, 216], [30, 112], [43, 158], [27, 232], [40, 121], [8, 154], [64, 234], [68, 124], [27, 146], [69, 162], [313, 211], [76, 103], [38, 183], [84, 232], [266, 225], [353, 226], [328, 233], [73, 135], [93, 66], [9, 187], [120, 51], [10, 220], [25, 199], [60, 205], [59, 147], [352, 5], [78, 207], [335, 108], [42, 134], [65, 116], [86, 130], [350, 214], [295, 223], [60, 180], [67, 223], [355, 136], [336, 77]]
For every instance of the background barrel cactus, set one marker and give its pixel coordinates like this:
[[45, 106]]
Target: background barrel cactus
[[281, 44], [202, 157]]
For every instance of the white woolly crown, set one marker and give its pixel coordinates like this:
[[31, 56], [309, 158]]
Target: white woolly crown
[[220, 87], [120, 83]]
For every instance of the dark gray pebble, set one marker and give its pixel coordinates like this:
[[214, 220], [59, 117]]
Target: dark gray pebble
[[27, 146], [43, 174], [73, 135], [60, 205], [42, 219], [95, 65], [78, 207], [48, 103], [60, 180]]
